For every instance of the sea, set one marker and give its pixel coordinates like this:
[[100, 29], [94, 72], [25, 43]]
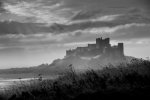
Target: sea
[[6, 83]]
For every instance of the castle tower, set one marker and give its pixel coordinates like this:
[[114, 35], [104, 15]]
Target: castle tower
[[68, 52], [98, 42], [121, 48], [107, 42]]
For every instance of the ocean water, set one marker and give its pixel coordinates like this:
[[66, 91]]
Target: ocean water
[[6, 83]]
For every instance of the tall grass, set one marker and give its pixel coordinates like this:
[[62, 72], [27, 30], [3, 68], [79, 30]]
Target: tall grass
[[128, 80]]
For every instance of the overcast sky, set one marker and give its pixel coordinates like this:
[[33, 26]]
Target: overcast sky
[[33, 32]]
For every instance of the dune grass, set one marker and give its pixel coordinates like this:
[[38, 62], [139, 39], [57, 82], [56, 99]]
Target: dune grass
[[121, 81]]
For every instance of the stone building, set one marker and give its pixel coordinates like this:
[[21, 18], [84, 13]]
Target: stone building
[[102, 47]]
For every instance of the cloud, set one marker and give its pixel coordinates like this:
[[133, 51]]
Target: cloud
[[70, 11], [37, 10], [72, 19], [104, 3], [85, 15], [109, 21], [1, 7], [125, 32], [104, 7], [12, 27], [132, 31], [103, 22], [31, 40], [62, 11]]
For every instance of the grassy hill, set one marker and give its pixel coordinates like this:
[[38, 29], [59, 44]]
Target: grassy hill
[[124, 81], [59, 66]]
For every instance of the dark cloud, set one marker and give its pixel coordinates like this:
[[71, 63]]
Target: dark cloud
[[104, 4], [1, 7], [145, 3], [81, 15], [128, 32], [89, 9], [133, 31], [34, 28], [12, 27], [121, 20]]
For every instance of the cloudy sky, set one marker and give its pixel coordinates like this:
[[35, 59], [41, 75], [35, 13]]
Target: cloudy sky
[[38, 31]]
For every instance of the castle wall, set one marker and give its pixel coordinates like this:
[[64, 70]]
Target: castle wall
[[91, 46], [102, 46]]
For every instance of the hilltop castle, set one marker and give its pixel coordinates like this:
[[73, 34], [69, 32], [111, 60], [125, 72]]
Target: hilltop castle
[[102, 47]]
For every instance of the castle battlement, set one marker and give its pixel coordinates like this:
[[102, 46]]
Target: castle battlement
[[102, 47]]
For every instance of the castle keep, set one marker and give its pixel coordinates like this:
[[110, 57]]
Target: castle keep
[[102, 47]]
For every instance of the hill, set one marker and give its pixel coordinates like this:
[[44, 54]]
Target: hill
[[60, 66], [124, 81]]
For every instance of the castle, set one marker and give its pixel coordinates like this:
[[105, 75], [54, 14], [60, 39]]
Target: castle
[[102, 47]]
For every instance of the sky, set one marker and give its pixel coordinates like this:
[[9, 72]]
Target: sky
[[33, 32]]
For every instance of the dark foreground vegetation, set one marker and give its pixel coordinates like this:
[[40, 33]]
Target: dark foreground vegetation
[[122, 82]]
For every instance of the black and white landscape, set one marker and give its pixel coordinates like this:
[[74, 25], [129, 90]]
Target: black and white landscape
[[74, 49]]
